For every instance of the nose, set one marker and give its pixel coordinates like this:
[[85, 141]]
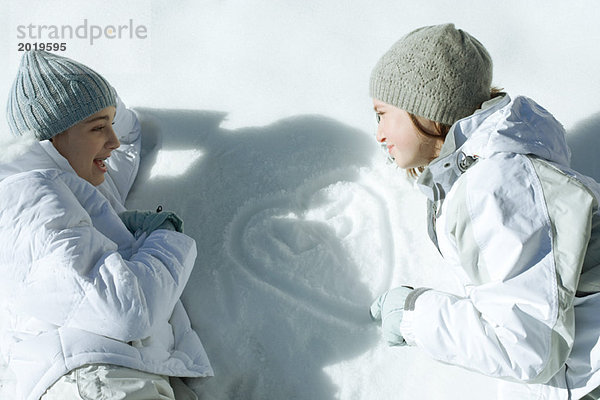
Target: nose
[[380, 135], [112, 141]]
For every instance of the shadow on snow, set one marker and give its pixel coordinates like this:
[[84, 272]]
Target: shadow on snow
[[269, 327]]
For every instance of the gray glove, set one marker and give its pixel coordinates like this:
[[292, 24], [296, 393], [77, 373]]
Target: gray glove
[[388, 308], [138, 222]]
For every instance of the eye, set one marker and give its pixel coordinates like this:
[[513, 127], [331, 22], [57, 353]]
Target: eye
[[377, 117], [97, 128]]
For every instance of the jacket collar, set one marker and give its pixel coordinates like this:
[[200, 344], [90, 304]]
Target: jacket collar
[[439, 176], [502, 125]]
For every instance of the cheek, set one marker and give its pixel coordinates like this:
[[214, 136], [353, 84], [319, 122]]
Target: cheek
[[404, 139], [91, 148], [393, 130], [84, 155]]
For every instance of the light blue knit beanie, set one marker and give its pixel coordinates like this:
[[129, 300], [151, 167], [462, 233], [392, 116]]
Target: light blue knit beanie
[[52, 93]]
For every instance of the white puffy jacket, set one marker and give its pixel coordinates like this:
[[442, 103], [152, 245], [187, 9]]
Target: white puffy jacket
[[76, 287], [522, 232]]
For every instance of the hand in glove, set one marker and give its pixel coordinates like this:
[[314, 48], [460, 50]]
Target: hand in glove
[[388, 308], [138, 222]]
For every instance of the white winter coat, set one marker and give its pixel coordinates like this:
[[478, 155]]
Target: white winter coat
[[76, 287], [522, 232]]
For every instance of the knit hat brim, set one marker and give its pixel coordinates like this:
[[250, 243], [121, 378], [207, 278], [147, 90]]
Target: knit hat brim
[[52, 93], [438, 72]]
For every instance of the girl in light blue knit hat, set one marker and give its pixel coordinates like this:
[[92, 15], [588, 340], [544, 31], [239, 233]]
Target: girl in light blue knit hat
[[91, 291], [507, 214]]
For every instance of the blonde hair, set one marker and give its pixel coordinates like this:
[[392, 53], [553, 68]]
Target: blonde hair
[[440, 131]]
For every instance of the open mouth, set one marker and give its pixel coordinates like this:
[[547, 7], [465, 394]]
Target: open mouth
[[100, 163]]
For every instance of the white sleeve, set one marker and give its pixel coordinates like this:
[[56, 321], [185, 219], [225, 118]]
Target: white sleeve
[[124, 162], [84, 272], [521, 256], [128, 296]]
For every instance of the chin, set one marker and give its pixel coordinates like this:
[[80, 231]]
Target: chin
[[402, 165]]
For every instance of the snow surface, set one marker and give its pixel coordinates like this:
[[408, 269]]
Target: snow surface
[[258, 131]]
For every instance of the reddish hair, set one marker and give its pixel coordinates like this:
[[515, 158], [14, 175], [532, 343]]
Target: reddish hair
[[440, 131]]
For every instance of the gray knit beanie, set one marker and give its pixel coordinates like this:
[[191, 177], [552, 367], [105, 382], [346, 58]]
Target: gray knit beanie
[[51, 93], [437, 72]]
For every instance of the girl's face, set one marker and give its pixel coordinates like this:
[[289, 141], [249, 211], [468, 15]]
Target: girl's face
[[87, 144], [408, 147]]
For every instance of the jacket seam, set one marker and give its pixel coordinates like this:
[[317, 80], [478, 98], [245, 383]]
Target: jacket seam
[[482, 248], [546, 215]]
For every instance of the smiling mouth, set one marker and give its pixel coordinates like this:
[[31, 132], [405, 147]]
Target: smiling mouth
[[100, 163], [387, 149]]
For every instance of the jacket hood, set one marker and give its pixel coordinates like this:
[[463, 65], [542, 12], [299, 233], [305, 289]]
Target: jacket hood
[[20, 154], [502, 125], [23, 154]]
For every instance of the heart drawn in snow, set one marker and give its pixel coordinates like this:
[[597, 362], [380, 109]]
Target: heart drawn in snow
[[322, 246]]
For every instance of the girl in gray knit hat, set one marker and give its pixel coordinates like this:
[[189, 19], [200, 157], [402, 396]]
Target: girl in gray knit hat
[[519, 227], [90, 292]]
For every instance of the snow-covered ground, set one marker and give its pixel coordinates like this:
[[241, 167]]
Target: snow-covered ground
[[258, 131]]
